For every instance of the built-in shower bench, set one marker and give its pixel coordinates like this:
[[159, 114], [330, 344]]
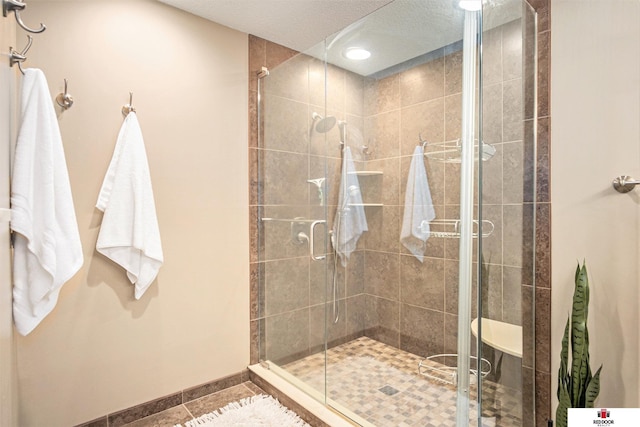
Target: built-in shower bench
[[502, 336]]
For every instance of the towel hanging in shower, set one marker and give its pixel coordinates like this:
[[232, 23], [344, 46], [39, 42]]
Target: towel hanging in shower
[[350, 220], [129, 234], [418, 207], [47, 248]]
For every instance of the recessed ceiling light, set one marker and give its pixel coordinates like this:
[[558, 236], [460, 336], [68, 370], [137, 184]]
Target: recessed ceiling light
[[470, 5], [356, 53]]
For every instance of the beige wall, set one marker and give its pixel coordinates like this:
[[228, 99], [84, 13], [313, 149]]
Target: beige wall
[[100, 350], [596, 137], [8, 400]]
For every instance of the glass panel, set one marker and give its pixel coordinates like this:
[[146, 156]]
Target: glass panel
[[292, 207], [506, 305], [403, 311]]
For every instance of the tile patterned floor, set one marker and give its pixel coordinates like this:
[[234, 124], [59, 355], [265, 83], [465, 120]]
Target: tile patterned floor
[[379, 382], [382, 385], [196, 408]]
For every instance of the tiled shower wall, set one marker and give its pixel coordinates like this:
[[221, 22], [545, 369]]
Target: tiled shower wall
[[288, 289], [410, 305], [367, 308], [413, 305], [539, 370]]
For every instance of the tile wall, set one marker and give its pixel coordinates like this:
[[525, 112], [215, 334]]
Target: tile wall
[[288, 289], [413, 305], [538, 371]]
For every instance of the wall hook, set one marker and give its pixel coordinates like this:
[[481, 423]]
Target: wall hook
[[64, 99], [129, 108], [16, 6], [624, 183], [16, 57]]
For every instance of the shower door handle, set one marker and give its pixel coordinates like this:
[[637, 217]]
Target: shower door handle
[[311, 240]]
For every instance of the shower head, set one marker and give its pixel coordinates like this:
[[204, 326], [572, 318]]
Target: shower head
[[323, 124]]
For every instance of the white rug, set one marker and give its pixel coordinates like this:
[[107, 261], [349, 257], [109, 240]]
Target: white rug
[[255, 411]]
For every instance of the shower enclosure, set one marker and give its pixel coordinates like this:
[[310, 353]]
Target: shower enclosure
[[342, 309]]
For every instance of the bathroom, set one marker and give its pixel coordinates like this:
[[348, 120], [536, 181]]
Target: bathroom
[[101, 351]]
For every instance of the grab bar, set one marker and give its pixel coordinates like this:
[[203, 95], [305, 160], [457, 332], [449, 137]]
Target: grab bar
[[311, 245]]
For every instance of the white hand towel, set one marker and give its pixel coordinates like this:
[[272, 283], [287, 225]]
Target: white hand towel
[[129, 234], [350, 221], [418, 207], [47, 249]]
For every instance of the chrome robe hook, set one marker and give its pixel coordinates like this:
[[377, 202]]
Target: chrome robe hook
[[129, 107], [624, 183], [16, 6], [16, 57], [64, 99]]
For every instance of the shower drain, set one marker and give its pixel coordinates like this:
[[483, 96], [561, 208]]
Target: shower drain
[[388, 390]]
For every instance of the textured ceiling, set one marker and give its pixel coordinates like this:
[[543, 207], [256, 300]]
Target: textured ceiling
[[401, 31], [298, 24]]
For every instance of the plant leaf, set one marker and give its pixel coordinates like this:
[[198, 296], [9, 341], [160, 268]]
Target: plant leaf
[[593, 389], [579, 338], [564, 402], [564, 352], [577, 387], [564, 355]]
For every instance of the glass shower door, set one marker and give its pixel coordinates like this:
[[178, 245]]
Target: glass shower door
[[293, 127], [400, 362]]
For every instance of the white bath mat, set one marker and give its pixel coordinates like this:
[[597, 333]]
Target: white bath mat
[[255, 411]]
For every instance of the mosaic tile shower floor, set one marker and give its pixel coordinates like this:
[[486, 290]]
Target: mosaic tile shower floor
[[381, 384]]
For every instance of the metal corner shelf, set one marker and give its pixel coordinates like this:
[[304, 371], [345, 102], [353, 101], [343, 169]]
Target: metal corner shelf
[[450, 228], [366, 173], [451, 151]]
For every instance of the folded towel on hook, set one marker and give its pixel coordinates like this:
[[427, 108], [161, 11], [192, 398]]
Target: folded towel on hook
[[418, 207], [350, 221], [47, 248], [129, 234]]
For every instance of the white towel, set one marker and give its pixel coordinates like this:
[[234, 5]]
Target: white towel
[[47, 249], [418, 207], [129, 234], [350, 221]]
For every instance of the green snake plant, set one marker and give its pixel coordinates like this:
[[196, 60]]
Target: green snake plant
[[577, 388]]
